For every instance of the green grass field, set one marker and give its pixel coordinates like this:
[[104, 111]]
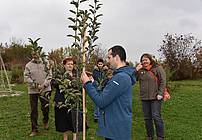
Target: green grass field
[[182, 116]]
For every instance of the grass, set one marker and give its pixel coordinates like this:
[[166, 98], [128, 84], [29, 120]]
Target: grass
[[182, 116]]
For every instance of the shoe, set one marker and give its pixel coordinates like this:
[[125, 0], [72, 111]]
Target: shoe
[[149, 138], [45, 126], [95, 120], [33, 134], [160, 138]]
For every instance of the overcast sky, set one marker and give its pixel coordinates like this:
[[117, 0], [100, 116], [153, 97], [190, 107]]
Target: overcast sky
[[138, 25]]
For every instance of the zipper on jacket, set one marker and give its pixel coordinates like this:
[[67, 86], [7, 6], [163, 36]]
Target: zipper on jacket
[[148, 90]]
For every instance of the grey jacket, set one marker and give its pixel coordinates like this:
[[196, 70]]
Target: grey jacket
[[35, 74], [149, 87]]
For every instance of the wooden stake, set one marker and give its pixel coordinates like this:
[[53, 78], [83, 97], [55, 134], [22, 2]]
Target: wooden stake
[[83, 90], [5, 72]]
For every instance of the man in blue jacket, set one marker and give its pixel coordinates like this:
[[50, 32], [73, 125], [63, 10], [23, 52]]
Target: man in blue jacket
[[115, 101]]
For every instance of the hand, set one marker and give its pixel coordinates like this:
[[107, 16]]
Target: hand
[[96, 68], [91, 78], [139, 66], [45, 86], [105, 68], [40, 87], [159, 97], [84, 78]]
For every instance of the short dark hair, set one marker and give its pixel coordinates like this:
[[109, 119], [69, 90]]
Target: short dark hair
[[120, 51], [68, 59], [100, 60]]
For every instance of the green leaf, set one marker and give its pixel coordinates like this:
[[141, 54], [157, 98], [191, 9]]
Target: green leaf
[[94, 46], [72, 11], [90, 19], [97, 23], [81, 12], [98, 7], [75, 37], [91, 6], [96, 31], [75, 4], [83, 1], [37, 39], [99, 15], [95, 38], [72, 19], [80, 30], [100, 4], [79, 20], [73, 27], [92, 11]]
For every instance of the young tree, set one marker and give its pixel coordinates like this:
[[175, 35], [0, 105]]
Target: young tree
[[85, 26]]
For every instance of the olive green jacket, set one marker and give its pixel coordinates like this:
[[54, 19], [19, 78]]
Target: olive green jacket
[[150, 87]]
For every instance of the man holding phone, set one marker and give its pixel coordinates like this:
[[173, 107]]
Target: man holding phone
[[115, 101]]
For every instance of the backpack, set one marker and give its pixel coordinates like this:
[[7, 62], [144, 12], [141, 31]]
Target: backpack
[[166, 93]]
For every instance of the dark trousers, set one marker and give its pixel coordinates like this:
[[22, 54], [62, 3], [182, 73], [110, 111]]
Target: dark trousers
[[34, 110], [152, 112], [107, 139]]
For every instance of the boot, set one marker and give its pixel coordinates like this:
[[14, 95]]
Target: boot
[[159, 138], [33, 133], [149, 138], [45, 126]]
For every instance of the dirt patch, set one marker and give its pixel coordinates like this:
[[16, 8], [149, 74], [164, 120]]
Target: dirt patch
[[10, 94]]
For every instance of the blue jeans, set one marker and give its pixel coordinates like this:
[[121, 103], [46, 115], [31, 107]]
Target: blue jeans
[[152, 112]]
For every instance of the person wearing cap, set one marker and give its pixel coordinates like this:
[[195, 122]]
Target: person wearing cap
[[38, 78]]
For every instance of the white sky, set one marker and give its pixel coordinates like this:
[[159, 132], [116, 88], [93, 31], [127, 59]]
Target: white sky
[[138, 25]]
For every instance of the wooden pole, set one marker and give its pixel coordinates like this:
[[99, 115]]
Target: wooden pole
[[83, 90], [4, 69], [84, 114]]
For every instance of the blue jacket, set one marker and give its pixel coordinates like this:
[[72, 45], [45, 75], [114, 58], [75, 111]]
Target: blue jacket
[[115, 102], [99, 74]]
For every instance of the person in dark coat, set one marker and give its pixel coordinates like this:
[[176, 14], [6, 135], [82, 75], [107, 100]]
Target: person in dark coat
[[65, 105]]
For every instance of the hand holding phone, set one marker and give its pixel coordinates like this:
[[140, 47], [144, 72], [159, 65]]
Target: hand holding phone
[[139, 66]]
